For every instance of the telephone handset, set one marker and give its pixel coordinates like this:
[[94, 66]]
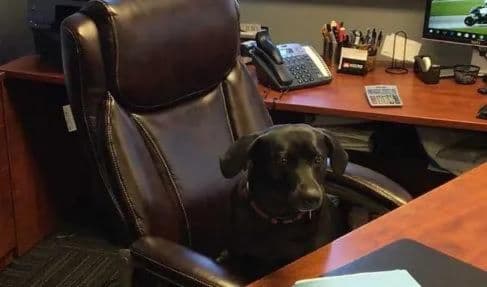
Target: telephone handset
[[287, 66]]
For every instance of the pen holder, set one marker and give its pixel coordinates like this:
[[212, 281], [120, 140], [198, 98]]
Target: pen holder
[[371, 55], [353, 61], [466, 74], [327, 51], [331, 52]]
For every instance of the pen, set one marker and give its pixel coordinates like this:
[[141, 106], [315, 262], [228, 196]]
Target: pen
[[333, 25], [358, 36], [342, 34], [350, 38], [367, 37], [374, 37], [379, 39]]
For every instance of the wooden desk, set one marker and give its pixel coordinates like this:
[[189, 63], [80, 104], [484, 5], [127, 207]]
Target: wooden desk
[[7, 225], [444, 105], [31, 68], [451, 218], [44, 174]]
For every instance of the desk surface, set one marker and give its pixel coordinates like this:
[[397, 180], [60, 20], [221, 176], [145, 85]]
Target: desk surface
[[31, 68], [444, 105], [451, 218]]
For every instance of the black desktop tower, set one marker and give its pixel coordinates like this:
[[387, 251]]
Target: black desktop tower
[[44, 18]]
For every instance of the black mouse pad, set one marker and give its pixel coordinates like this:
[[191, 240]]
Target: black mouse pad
[[429, 267]]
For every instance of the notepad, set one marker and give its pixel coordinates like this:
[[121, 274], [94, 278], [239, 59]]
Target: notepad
[[396, 278]]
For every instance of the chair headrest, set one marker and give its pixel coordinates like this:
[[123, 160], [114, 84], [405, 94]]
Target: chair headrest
[[160, 51]]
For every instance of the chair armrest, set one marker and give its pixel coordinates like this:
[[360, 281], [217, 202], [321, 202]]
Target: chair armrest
[[179, 265]]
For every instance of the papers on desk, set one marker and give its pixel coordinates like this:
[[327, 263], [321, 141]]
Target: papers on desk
[[395, 278], [249, 31], [357, 138], [351, 133], [412, 48]]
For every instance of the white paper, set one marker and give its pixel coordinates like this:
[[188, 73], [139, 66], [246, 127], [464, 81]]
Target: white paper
[[248, 30], [350, 53], [394, 278], [412, 48], [356, 54]]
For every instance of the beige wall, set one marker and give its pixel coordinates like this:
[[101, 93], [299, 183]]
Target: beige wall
[[290, 20], [15, 36], [301, 20]]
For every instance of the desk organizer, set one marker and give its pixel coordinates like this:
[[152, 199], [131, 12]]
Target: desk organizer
[[466, 74]]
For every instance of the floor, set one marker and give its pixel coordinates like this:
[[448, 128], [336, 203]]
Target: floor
[[70, 257]]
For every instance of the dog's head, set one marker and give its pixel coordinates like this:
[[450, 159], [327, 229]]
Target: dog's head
[[286, 165]]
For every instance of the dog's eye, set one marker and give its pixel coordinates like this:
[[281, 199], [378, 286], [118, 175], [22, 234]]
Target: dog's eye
[[283, 160], [318, 160]]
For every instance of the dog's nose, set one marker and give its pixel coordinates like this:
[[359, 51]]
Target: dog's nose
[[312, 200]]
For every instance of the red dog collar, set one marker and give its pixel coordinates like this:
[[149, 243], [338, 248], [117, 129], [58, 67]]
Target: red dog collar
[[272, 219]]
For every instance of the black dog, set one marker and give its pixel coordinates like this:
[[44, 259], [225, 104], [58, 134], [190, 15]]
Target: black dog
[[281, 211]]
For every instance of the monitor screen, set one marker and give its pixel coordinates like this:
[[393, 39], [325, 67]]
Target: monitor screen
[[459, 21]]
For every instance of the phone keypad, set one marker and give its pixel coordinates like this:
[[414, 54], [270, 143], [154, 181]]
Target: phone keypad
[[307, 69], [303, 69]]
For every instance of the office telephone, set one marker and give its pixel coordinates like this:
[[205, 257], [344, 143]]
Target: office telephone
[[287, 66]]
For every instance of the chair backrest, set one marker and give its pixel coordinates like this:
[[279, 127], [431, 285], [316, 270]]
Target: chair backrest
[[159, 95]]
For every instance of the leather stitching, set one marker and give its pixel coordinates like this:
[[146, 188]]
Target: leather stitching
[[79, 52], [228, 70], [180, 272], [163, 277], [117, 167], [117, 56], [377, 189], [227, 114], [115, 41], [162, 160]]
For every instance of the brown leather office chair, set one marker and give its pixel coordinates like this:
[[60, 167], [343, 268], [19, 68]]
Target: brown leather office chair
[[158, 94]]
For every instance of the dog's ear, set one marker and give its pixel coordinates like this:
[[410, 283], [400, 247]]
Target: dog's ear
[[338, 156], [235, 158]]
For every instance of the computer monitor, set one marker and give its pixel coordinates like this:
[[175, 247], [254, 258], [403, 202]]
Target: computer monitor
[[457, 21]]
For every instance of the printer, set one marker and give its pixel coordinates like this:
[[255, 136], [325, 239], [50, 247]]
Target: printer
[[44, 18]]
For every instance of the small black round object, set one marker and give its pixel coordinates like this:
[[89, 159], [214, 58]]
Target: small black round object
[[482, 91]]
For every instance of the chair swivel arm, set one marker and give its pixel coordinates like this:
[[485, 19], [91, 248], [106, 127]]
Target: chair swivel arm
[[179, 265]]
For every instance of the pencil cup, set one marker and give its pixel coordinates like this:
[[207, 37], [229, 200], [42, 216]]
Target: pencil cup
[[371, 61], [331, 53], [371, 55], [327, 51]]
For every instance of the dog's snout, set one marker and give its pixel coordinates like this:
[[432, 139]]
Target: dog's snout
[[313, 194], [312, 200], [310, 197]]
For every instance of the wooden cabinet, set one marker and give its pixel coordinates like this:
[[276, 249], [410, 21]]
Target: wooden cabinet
[[42, 170], [7, 226]]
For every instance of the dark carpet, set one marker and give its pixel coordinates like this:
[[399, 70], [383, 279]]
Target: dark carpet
[[66, 259]]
